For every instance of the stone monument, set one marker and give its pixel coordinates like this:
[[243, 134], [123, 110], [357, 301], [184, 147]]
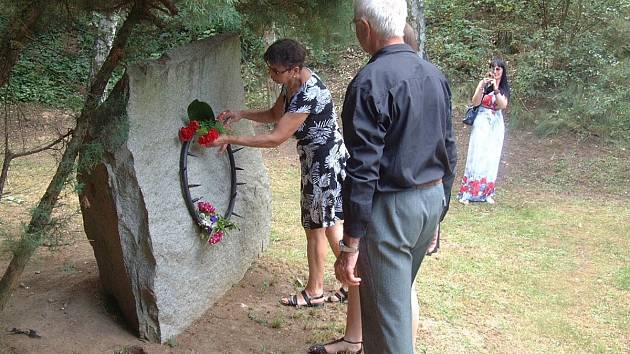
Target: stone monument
[[149, 253]]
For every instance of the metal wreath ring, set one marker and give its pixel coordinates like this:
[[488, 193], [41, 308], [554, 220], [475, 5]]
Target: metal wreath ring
[[185, 186]]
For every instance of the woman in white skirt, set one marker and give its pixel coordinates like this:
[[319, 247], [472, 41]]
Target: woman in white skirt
[[486, 138]]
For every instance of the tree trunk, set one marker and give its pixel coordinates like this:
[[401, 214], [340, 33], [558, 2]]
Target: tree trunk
[[40, 218], [8, 156], [106, 28], [42, 213], [16, 35], [418, 22], [5, 169], [271, 88]]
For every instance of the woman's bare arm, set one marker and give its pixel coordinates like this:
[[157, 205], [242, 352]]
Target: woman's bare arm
[[286, 126]]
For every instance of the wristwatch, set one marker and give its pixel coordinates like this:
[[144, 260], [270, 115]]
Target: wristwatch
[[345, 248]]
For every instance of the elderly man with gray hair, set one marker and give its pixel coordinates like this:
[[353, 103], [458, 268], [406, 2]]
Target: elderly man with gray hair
[[397, 128]]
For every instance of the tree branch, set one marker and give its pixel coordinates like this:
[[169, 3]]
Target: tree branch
[[116, 54], [44, 147], [6, 129], [153, 19], [40, 219], [170, 6]]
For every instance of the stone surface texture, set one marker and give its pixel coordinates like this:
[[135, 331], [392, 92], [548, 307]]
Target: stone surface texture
[[148, 250]]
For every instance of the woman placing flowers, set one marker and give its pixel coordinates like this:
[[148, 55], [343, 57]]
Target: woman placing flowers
[[486, 138], [305, 110]]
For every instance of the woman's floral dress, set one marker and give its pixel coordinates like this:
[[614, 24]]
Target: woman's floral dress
[[322, 152], [484, 153]]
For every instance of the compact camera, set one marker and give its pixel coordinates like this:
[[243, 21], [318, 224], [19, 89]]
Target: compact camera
[[488, 88]]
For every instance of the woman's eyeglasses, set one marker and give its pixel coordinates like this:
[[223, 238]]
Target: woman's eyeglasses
[[497, 68], [275, 71]]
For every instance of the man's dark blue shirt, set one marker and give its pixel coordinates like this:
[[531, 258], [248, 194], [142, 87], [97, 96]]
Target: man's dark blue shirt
[[397, 128]]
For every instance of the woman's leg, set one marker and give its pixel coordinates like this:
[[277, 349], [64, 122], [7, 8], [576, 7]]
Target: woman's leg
[[316, 248], [434, 246], [353, 316], [353, 336], [334, 234]]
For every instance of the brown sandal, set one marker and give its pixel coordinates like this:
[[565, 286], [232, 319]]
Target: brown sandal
[[293, 300], [340, 295], [321, 348]]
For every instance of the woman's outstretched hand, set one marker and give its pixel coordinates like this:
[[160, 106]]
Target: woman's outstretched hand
[[228, 117], [221, 142]]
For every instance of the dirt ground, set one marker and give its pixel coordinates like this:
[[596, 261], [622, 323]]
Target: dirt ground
[[60, 297]]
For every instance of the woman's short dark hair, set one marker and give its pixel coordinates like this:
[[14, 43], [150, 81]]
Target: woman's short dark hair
[[286, 52], [504, 85]]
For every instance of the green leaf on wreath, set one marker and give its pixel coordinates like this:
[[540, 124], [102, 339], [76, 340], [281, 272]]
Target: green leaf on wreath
[[200, 111]]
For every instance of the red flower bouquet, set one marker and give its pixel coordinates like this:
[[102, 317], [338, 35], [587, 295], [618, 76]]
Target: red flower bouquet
[[201, 125]]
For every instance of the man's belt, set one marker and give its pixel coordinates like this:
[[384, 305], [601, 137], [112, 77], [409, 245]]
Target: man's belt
[[430, 184]]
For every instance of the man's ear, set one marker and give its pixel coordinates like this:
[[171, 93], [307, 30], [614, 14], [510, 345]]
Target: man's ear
[[364, 33], [363, 26]]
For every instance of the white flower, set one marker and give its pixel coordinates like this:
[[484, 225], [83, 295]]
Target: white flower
[[303, 109], [320, 132], [323, 99], [336, 157], [311, 92]]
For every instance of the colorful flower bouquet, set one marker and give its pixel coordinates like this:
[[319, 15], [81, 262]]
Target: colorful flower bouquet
[[201, 125], [214, 225]]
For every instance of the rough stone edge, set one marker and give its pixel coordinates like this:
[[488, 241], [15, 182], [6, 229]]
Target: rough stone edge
[[110, 116]]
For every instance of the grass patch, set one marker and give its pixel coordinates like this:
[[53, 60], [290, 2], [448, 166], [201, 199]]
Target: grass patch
[[540, 266], [535, 273], [604, 174], [622, 278]]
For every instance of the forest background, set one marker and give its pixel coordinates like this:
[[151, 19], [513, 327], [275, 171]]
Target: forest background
[[569, 64], [568, 60]]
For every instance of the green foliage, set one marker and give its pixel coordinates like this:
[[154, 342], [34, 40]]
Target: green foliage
[[322, 26], [567, 61], [455, 43], [199, 110], [109, 130], [601, 108], [623, 278], [197, 19], [91, 155], [53, 69], [25, 241]]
